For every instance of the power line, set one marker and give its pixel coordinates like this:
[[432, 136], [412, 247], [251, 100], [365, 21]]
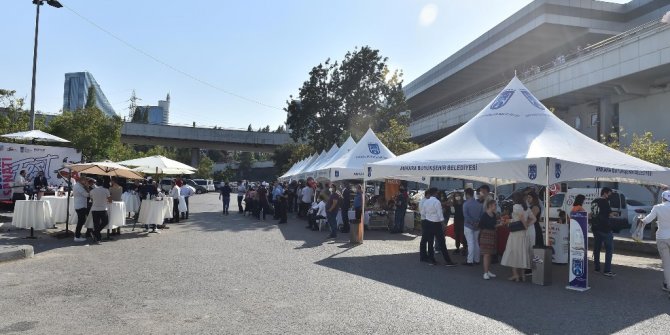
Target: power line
[[184, 73]]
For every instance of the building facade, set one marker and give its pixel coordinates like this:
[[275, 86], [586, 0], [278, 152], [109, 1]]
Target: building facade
[[76, 93], [153, 114], [600, 66]]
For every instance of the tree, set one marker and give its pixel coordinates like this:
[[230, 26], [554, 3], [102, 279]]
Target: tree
[[288, 154], [347, 97], [90, 131], [14, 118], [246, 160], [280, 129], [250, 128], [644, 147], [205, 168], [90, 97], [396, 138]]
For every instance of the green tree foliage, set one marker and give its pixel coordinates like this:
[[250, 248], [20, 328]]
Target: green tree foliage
[[246, 160], [13, 118], [286, 155], [396, 138], [226, 175], [205, 168], [141, 115], [90, 98], [347, 97], [644, 147], [90, 131]]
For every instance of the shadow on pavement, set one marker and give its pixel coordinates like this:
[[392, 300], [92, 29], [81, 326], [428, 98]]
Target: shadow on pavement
[[611, 305], [50, 239]]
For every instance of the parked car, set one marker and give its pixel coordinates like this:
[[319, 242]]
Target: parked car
[[199, 189], [635, 208], [618, 202], [166, 185], [208, 184]]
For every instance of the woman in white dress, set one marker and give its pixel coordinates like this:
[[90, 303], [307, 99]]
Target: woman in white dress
[[516, 253]]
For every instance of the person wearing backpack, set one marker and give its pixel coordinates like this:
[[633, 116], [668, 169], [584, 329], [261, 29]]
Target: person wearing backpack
[[601, 212]]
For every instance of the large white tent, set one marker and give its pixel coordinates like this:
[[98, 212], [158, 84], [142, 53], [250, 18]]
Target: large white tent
[[325, 158], [323, 171], [352, 164], [517, 139]]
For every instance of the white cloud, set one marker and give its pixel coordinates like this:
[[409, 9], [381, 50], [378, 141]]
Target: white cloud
[[428, 14]]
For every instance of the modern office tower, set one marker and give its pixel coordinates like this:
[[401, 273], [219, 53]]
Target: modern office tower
[[76, 93]]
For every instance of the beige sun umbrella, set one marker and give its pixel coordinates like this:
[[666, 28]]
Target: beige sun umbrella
[[106, 168]]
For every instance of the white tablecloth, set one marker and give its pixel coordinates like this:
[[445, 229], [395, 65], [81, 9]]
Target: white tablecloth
[[352, 216], [154, 212], [58, 207], [117, 216], [34, 214], [132, 201]]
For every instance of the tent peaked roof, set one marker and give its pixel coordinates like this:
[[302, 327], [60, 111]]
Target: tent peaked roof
[[517, 139], [351, 165]]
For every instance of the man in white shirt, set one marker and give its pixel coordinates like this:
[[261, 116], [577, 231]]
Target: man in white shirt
[[18, 192], [80, 197], [186, 191], [100, 198], [306, 195], [319, 215], [432, 210], [661, 213], [241, 191], [174, 193]]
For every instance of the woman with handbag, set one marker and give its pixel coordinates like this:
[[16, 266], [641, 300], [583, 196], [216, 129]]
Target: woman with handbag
[[516, 253]]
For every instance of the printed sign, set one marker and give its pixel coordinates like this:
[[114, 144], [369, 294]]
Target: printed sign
[[578, 262], [32, 158]]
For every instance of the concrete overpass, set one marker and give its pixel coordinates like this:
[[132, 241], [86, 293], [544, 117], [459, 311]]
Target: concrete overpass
[[201, 138]]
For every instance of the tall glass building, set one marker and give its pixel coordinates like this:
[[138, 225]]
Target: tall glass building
[[76, 93]]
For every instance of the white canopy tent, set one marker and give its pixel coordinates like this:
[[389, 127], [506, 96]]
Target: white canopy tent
[[299, 172], [352, 164], [307, 171], [287, 176], [517, 139], [323, 171], [317, 165], [159, 165]]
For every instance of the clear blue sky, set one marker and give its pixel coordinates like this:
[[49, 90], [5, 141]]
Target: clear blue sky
[[262, 50]]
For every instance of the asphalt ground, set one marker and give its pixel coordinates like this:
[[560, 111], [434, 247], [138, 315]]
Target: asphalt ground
[[216, 274]]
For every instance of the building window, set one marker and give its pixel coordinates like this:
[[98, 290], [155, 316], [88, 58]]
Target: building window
[[594, 120], [578, 123]]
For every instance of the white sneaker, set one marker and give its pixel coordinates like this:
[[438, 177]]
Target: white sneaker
[[80, 239], [487, 276], [491, 274]]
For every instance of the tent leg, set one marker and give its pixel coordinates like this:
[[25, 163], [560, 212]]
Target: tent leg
[[546, 207]]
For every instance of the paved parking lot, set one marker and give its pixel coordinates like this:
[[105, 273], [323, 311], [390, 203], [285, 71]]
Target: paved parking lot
[[217, 274]]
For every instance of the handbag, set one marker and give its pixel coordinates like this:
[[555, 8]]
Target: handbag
[[516, 226]]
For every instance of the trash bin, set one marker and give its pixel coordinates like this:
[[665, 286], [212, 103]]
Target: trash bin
[[541, 264], [356, 233]]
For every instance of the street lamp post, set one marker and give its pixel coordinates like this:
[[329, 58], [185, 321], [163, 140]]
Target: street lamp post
[[38, 3]]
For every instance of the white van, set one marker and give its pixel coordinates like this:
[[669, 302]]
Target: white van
[[208, 184], [563, 201]]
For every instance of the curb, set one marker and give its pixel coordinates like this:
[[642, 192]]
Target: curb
[[16, 252], [647, 248]]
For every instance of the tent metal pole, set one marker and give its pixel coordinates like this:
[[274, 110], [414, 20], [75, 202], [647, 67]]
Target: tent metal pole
[[546, 207], [363, 203]]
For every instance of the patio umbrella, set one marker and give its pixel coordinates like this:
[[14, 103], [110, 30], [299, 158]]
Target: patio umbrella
[[105, 168], [158, 165], [35, 135]]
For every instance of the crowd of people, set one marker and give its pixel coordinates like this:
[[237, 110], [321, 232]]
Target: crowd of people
[[311, 201]]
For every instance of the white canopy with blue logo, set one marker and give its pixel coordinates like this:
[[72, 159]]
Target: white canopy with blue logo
[[351, 165], [322, 171], [517, 139]]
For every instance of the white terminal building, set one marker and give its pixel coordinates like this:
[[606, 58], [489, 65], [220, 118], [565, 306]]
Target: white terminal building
[[600, 66]]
